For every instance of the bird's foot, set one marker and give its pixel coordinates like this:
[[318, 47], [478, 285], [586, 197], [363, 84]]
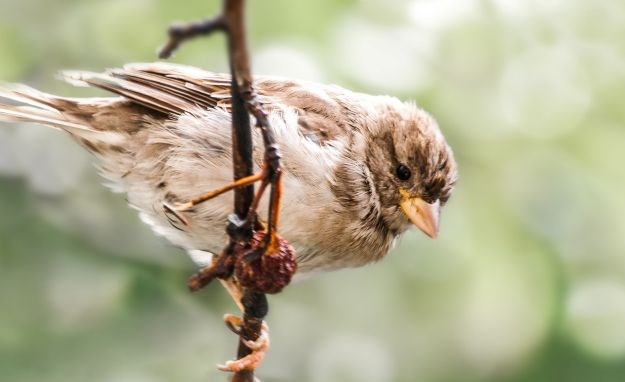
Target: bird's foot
[[258, 347], [178, 209], [270, 175]]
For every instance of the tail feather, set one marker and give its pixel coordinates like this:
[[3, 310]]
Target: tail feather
[[11, 113], [87, 120], [32, 106], [27, 95]]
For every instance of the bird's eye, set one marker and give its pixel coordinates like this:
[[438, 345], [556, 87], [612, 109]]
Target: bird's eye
[[403, 172]]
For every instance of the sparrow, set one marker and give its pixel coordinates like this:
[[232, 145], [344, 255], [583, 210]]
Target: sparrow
[[358, 170]]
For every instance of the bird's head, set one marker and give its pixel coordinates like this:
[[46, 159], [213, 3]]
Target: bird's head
[[413, 168]]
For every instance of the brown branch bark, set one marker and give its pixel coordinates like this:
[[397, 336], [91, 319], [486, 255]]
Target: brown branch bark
[[232, 22], [255, 304]]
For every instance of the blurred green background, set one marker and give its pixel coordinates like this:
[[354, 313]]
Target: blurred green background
[[526, 283]]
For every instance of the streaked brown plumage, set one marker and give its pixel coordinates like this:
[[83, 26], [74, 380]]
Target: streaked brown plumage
[[357, 168]]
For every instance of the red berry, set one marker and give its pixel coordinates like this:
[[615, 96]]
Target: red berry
[[267, 272]]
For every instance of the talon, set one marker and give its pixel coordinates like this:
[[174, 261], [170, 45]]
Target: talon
[[226, 366], [234, 323], [259, 343], [184, 207], [175, 211], [258, 347]]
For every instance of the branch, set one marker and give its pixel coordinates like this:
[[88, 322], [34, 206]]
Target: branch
[[255, 304], [231, 21]]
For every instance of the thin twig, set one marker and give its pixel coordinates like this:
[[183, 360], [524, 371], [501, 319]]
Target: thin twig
[[179, 33]]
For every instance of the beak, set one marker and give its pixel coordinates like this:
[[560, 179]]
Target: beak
[[424, 215]]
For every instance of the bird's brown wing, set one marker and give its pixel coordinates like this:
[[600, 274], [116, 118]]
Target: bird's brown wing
[[174, 89]]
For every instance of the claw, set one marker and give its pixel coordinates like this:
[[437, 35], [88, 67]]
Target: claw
[[175, 212], [234, 323], [258, 347], [259, 343]]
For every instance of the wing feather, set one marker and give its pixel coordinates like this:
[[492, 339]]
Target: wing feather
[[324, 112]]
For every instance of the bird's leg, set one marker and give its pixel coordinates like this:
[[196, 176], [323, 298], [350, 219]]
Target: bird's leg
[[176, 210], [222, 269], [274, 213], [259, 347], [266, 176], [270, 174], [274, 175]]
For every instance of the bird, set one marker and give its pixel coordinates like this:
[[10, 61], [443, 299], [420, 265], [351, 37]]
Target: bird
[[359, 170]]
